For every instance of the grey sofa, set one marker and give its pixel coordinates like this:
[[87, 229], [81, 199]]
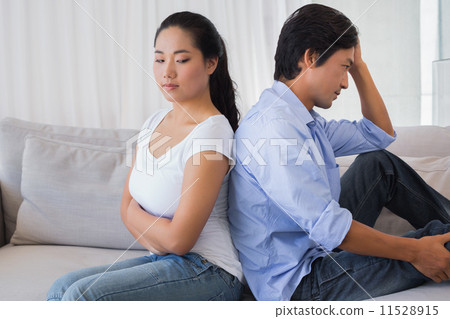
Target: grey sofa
[[61, 190]]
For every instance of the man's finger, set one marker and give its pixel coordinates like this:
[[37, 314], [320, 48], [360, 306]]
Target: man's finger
[[436, 279], [445, 238], [445, 276]]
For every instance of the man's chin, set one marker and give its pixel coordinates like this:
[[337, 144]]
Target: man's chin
[[324, 106]]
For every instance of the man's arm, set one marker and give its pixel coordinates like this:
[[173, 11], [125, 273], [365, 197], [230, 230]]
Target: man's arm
[[427, 254], [372, 105]]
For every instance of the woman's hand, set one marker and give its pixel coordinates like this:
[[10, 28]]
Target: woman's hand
[[132, 208]]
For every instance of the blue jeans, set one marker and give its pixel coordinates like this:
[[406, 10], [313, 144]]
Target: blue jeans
[[374, 180], [170, 277]]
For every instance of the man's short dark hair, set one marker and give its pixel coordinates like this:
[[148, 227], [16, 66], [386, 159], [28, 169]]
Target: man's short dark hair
[[315, 27]]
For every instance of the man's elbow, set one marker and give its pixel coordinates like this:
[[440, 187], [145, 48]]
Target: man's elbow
[[391, 132]]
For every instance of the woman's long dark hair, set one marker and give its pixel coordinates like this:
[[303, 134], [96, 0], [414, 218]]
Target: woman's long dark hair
[[210, 43]]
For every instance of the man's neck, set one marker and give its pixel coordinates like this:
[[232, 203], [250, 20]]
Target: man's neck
[[300, 90]]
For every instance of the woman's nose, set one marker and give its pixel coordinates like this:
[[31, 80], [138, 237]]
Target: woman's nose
[[169, 71]]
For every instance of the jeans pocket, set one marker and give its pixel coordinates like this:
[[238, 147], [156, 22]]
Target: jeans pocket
[[235, 287], [198, 263], [334, 270], [228, 278]]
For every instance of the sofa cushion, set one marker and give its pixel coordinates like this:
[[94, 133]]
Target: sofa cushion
[[2, 223], [27, 272], [71, 195], [12, 142]]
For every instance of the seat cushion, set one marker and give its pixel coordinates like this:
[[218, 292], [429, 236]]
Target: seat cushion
[[430, 291], [27, 272]]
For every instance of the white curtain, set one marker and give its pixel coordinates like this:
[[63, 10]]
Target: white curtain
[[88, 62]]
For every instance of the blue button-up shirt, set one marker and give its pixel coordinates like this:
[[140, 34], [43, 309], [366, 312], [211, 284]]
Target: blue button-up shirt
[[284, 190]]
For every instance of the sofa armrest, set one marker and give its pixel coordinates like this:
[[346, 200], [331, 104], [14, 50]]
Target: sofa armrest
[[2, 222]]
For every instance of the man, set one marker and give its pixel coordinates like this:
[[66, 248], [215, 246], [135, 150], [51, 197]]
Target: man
[[289, 210]]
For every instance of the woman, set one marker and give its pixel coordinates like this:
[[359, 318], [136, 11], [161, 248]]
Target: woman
[[175, 197]]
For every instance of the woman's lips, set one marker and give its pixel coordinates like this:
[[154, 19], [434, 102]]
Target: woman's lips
[[169, 86]]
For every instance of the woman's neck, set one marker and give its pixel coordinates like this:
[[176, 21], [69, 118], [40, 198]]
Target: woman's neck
[[194, 110]]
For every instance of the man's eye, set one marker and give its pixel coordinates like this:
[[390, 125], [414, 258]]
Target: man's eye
[[183, 61], [159, 60]]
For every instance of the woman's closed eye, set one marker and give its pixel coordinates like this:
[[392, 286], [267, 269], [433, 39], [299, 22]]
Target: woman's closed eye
[[179, 61]]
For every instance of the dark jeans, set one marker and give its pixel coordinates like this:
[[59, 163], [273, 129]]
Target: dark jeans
[[374, 180]]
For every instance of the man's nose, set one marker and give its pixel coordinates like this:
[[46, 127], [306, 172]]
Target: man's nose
[[344, 82]]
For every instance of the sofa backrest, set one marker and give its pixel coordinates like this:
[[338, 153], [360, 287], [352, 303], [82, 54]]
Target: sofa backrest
[[2, 223], [13, 133], [411, 142], [420, 141]]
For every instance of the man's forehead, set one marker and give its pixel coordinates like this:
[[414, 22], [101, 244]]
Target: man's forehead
[[346, 55]]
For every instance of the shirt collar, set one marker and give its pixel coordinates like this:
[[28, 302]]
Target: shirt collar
[[286, 94]]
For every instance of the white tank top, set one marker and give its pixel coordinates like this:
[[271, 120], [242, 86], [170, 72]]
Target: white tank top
[[155, 183]]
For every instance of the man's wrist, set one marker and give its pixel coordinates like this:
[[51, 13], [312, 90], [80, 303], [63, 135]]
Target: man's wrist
[[358, 68], [409, 249]]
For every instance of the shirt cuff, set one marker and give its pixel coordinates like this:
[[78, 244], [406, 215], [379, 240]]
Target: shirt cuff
[[333, 225], [376, 135]]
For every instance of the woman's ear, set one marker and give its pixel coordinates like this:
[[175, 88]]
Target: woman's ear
[[211, 65]]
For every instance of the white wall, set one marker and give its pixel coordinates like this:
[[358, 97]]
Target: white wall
[[441, 69], [444, 17], [390, 42]]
